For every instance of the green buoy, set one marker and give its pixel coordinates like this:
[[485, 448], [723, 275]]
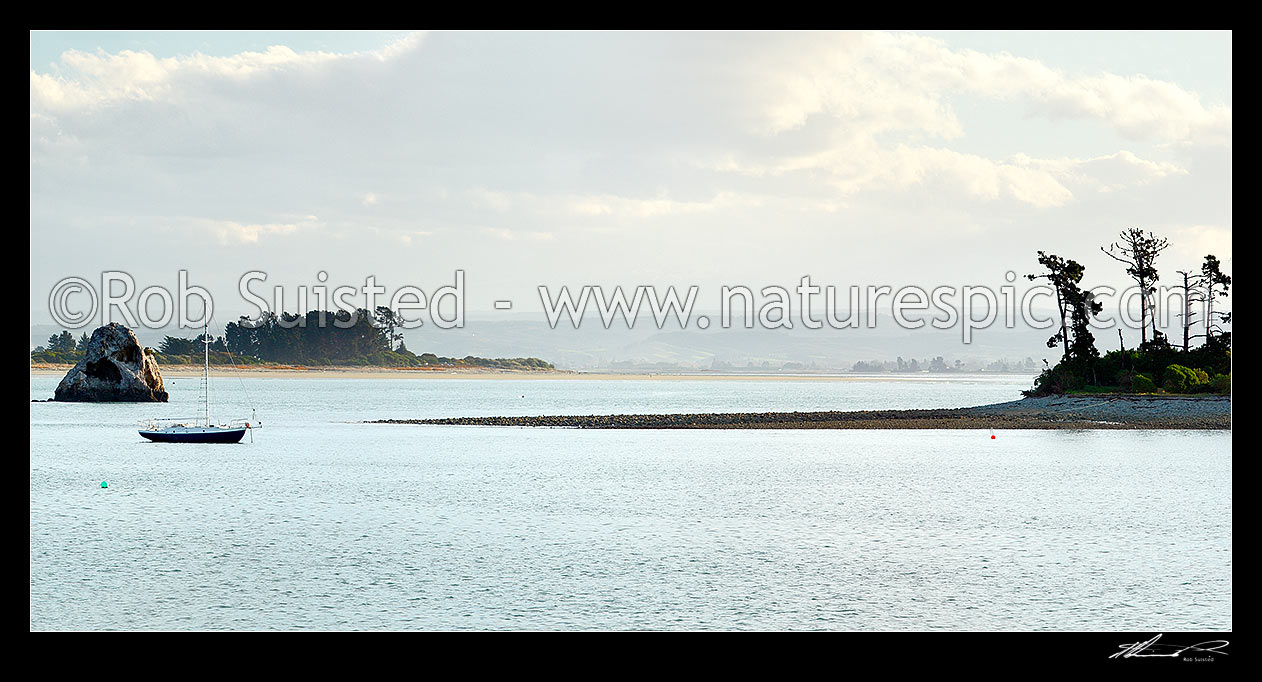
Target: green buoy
[[104, 484]]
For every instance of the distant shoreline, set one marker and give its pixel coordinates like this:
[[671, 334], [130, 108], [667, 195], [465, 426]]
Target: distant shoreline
[[1060, 412], [292, 371]]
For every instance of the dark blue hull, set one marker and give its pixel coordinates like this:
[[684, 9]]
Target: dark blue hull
[[216, 436]]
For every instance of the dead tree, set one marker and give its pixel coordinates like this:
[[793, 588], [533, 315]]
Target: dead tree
[[1139, 253]]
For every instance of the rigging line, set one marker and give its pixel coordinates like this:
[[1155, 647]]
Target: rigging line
[[239, 380], [237, 370]]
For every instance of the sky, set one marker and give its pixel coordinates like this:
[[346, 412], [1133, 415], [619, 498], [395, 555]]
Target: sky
[[680, 158]]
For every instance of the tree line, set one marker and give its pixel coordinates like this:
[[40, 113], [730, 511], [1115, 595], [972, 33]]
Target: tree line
[[317, 338], [1155, 362], [364, 337]]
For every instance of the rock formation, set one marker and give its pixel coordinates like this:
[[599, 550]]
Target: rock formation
[[115, 370]]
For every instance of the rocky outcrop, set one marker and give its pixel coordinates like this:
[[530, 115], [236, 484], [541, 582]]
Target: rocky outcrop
[[115, 370]]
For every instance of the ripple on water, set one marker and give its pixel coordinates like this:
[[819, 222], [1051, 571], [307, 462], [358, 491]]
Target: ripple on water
[[322, 524]]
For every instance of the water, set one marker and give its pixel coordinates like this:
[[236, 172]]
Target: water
[[324, 523]]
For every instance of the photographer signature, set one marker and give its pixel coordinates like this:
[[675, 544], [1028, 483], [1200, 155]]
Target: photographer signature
[[1155, 650]]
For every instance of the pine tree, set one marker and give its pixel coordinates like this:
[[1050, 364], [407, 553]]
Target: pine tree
[[1139, 253]]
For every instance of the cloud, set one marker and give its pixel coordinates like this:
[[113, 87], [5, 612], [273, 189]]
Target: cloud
[[230, 232], [867, 100], [1138, 107], [855, 170], [1109, 173], [1193, 242], [406, 238], [518, 235], [602, 205], [852, 112], [87, 81], [612, 205], [880, 82], [622, 152]]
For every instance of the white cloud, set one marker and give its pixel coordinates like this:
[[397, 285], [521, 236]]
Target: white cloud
[[232, 232], [880, 82], [1194, 242], [620, 150], [518, 235], [856, 169], [1109, 173], [603, 205], [1138, 107], [87, 81], [406, 238], [612, 205], [873, 95]]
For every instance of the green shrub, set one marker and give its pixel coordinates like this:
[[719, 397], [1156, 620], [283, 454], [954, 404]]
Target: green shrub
[[1177, 379], [1180, 379], [1056, 380], [1142, 383], [1221, 384], [1114, 363]]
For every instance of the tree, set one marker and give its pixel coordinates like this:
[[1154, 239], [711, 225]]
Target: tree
[[83, 343], [1077, 307], [240, 337], [61, 343], [1064, 276], [174, 345], [1216, 286], [1083, 307], [1139, 253], [1191, 294], [339, 337], [391, 320]]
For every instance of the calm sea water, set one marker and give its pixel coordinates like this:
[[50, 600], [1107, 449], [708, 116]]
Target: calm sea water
[[325, 523]]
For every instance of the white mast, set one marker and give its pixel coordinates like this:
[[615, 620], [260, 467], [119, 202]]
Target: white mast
[[206, 370]]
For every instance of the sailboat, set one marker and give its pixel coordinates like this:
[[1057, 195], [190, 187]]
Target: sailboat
[[198, 430]]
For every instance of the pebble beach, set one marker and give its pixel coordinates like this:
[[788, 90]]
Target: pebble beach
[[1052, 412]]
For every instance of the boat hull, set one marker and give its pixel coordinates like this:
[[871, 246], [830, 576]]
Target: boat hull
[[196, 436]]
